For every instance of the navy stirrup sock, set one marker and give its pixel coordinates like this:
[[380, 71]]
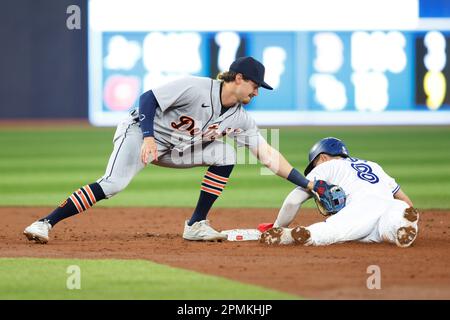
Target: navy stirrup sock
[[212, 186], [79, 201]]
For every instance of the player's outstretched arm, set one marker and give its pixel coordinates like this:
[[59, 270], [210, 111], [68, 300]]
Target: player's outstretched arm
[[290, 207], [400, 195], [275, 161]]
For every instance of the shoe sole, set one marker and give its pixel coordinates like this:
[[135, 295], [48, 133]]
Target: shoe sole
[[36, 238], [271, 236], [210, 240], [301, 235], [411, 214], [407, 235]]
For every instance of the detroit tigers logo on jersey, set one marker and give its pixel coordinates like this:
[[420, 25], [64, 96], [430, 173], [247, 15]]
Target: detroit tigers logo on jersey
[[212, 132], [186, 124], [190, 112]]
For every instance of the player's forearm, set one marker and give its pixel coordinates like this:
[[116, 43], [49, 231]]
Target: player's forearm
[[290, 207], [285, 170], [400, 195], [275, 161], [281, 166], [147, 110]]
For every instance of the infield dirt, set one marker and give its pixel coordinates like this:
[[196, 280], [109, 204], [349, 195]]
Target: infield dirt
[[334, 272]]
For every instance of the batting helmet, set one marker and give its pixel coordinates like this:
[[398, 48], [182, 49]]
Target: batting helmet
[[332, 146]]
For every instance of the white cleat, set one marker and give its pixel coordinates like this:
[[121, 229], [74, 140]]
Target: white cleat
[[38, 231], [202, 231]]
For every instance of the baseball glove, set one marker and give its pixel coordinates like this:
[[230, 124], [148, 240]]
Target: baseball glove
[[329, 198]]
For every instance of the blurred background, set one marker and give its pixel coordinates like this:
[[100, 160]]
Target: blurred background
[[330, 62], [71, 69]]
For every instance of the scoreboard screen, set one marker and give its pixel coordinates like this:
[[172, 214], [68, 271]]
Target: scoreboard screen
[[336, 77]]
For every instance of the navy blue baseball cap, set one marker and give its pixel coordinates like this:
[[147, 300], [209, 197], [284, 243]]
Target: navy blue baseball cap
[[252, 69]]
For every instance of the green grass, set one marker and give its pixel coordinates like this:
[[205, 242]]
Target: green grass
[[25, 278], [40, 167]]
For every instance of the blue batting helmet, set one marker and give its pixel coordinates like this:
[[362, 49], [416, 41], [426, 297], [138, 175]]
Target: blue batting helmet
[[332, 146]]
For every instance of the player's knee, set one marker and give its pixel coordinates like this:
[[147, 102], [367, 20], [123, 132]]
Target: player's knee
[[112, 187]]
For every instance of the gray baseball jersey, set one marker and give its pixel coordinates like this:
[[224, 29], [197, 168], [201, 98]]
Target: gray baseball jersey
[[188, 119], [189, 114]]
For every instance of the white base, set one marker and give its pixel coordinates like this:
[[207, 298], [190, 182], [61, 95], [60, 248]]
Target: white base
[[242, 234]]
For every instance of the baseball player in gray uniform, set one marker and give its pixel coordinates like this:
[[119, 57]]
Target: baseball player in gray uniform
[[178, 125]]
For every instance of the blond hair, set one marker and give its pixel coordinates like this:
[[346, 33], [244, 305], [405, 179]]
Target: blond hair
[[229, 76]]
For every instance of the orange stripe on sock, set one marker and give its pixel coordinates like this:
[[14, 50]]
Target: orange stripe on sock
[[90, 193], [83, 198], [214, 184], [217, 193], [76, 203], [215, 176]]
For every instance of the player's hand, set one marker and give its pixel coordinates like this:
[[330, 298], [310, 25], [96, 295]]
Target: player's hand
[[329, 198], [320, 187], [149, 150]]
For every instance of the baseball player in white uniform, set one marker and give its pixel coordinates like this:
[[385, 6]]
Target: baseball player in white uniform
[[178, 125], [375, 210]]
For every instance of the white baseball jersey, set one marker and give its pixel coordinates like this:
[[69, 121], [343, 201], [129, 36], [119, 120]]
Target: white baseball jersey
[[356, 177], [189, 114], [371, 213]]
